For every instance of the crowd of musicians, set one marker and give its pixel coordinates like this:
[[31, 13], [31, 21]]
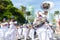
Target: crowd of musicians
[[9, 30]]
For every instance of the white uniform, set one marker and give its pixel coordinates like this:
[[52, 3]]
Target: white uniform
[[25, 32], [1, 34], [7, 34], [4, 25], [12, 26], [31, 34], [12, 32], [10, 35], [13, 35], [50, 33], [19, 33], [42, 33]]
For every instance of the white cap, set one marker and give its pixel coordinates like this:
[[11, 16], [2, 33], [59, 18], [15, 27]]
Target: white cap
[[11, 22], [15, 22]]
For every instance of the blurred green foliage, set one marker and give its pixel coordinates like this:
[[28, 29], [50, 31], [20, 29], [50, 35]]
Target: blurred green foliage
[[56, 13], [7, 10]]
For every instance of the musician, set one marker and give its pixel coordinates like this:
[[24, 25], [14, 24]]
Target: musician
[[13, 23], [49, 30], [31, 32], [4, 24], [39, 19], [41, 29], [49, 26], [25, 31], [20, 30]]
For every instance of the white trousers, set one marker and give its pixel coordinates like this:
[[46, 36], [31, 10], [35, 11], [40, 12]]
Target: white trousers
[[50, 33], [42, 34], [25, 33], [1, 34], [19, 33], [10, 35], [31, 34]]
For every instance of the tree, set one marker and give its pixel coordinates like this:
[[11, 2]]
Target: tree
[[28, 13], [7, 10], [56, 13], [23, 8]]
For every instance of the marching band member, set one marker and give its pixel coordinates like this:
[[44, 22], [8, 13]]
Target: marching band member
[[48, 26], [1, 34], [49, 31], [41, 27], [4, 25], [10, 35], [13, 26], [19, 32], [31, 32], [25, 31]]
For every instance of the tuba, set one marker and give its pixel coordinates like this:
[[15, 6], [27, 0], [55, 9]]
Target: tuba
[[47, 5]]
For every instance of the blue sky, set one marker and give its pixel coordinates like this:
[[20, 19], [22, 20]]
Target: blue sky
[[36, 4]]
